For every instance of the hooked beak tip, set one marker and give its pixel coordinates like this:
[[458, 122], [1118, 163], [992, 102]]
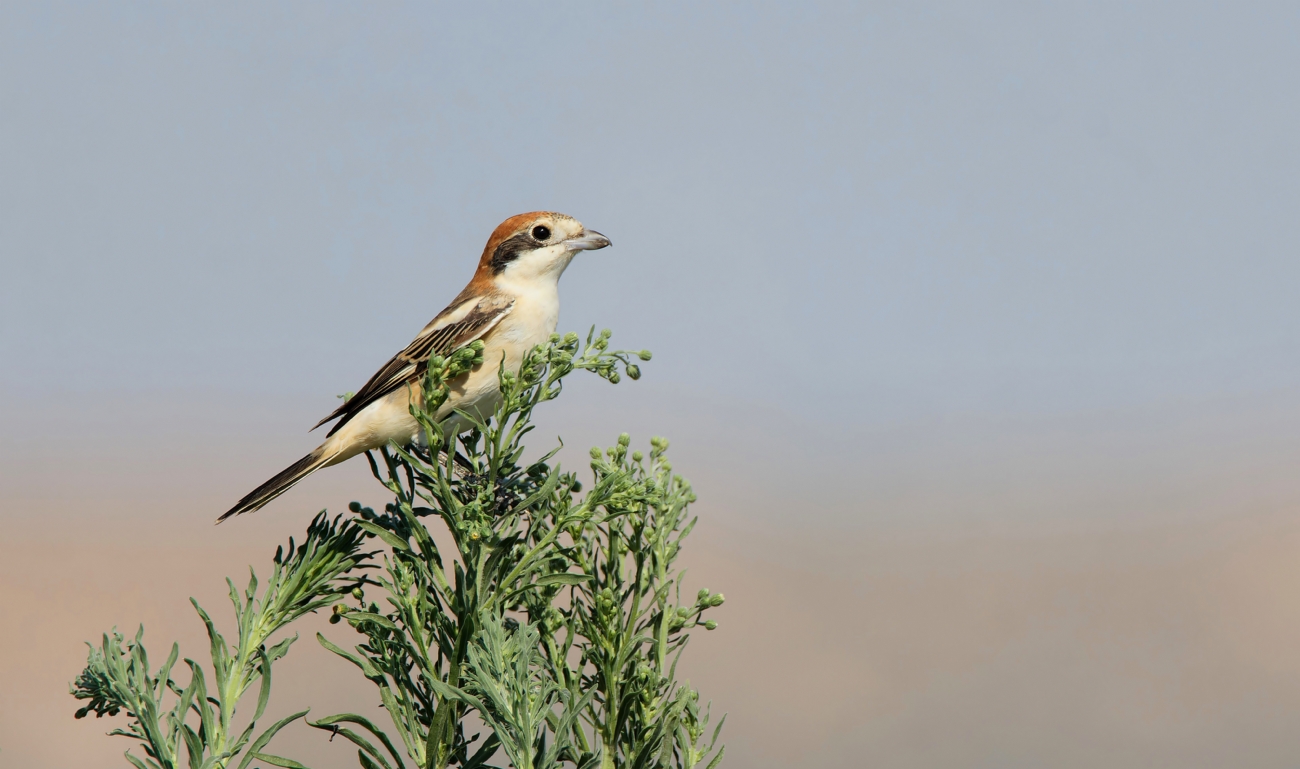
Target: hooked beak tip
[[589, 240]]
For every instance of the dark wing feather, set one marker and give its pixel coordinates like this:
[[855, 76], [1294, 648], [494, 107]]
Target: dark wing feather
[[440, 337]]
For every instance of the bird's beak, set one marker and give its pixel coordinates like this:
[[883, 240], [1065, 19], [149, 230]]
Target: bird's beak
[[589, 240]]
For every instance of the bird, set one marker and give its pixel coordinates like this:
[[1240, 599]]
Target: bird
[[511, 304]]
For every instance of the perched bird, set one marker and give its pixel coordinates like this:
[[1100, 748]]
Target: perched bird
[[511, 304]]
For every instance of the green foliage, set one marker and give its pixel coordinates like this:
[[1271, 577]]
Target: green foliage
[[627, 626], [117, 676], [511, 597], [517, 697]]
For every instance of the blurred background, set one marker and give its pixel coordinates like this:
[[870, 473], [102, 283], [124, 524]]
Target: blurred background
[[976, 329]]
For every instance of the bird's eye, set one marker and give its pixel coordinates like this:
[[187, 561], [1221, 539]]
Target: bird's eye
[[541, 232]]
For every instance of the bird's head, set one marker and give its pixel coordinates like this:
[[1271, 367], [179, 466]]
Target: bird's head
[[536, 246]]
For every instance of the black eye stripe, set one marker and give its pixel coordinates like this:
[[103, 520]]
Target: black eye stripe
[[509, 250]]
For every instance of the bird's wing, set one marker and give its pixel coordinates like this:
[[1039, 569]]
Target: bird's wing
[[455, 327]]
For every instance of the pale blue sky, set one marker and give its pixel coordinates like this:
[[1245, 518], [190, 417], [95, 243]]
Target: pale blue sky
[[974, 324], [1024, 207]]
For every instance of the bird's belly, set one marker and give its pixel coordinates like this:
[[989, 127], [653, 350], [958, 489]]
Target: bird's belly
[[479, 393], [389, 420]]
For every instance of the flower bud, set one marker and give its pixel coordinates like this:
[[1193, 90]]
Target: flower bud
[[633, 371], [354, 507], [644, 355], [716, 600], [710, 625], [595, 453], [357, 594], [637, 456]]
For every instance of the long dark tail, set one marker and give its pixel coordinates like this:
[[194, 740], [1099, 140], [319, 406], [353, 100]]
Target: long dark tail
[[285, 480]]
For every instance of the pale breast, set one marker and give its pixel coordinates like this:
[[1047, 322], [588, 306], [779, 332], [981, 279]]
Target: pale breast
[[530, 322]]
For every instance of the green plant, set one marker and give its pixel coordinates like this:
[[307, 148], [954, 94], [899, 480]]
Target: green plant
[[514, 599], [117, 676]]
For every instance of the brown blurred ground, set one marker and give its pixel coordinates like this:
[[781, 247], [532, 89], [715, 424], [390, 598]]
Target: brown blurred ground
[[1109, 590]]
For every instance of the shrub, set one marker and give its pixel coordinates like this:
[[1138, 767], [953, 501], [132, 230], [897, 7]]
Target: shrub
[[554, 618]]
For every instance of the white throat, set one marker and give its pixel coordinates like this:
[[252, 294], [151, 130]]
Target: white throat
[[538, 271]]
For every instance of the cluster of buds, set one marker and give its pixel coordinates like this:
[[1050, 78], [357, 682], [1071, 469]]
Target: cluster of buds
[[440, 371], [693, 616], [607, 611], [366, 513], [474, 523], [649, 685], [597, 358], [551, 620], [706, 600]]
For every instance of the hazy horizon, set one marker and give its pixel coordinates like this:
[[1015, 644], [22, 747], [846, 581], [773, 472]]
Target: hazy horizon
[[974, 329]]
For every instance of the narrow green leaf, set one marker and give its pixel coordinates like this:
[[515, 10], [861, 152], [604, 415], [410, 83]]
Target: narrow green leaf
[[201, 700], [274, 653], [165, 674], [552, 480], [328, 723], [488, 749], [562, 578], [394, 541], [264, 690], [219, 653], [358, 617], [288, 763], [193, 746], [238, 744], [718, 758], [356, 739], [449, 692], [367, 667], [718, 730], [266, 736]]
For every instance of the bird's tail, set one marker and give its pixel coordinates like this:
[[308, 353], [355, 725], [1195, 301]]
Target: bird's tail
[[285, 480]]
